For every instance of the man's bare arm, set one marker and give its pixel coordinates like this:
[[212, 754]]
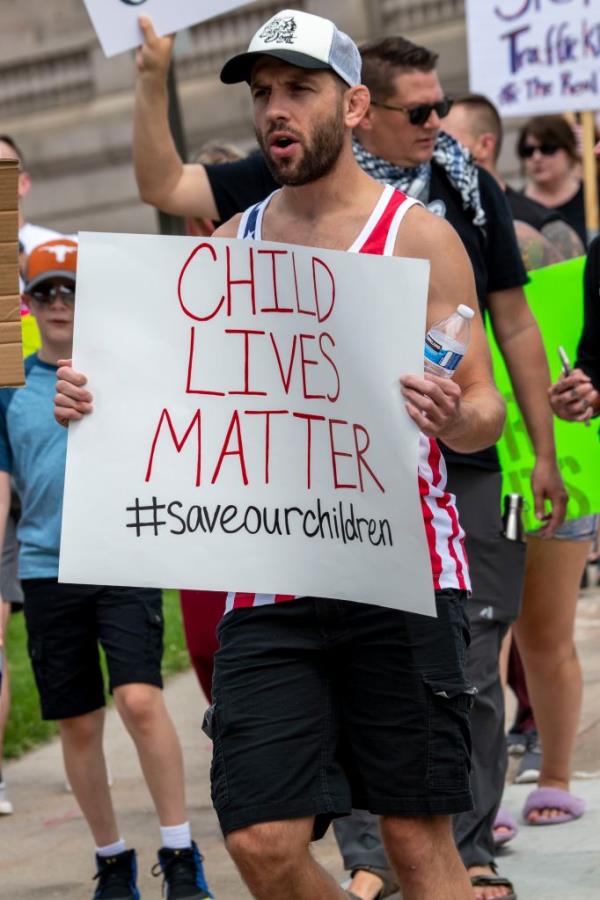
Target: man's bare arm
[[466, 412], [520, 343], [163, 180]]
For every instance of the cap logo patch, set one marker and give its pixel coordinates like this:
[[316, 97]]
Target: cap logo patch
[[279, 31], [60, 251]]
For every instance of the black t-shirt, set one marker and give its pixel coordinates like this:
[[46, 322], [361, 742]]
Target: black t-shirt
[[493, 251], [572, 212], [588, 352], [238, 185], [494, 255], [530, 211]]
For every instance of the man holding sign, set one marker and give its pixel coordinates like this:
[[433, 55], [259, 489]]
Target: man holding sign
[[321, 705]]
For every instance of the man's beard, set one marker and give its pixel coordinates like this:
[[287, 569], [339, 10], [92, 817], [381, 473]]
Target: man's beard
[[317, 159]]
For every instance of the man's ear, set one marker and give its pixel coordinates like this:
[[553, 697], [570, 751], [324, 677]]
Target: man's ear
[[366, 123], [486, 147], [24, 184], [358, 101]]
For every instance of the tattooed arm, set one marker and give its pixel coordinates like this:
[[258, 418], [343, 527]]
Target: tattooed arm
[[536, 250], [564, 238]]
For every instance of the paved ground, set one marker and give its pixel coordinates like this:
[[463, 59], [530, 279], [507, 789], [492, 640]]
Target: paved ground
[[45, 851]]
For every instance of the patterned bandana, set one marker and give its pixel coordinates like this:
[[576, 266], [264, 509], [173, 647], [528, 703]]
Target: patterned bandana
[[452, 157]]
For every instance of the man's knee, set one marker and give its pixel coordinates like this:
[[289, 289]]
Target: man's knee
[[268, 848], [410, 841]]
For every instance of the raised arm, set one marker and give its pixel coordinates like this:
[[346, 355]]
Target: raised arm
[[163, 180], [466, 412]]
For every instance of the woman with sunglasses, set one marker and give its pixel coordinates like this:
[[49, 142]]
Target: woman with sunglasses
[[547, 147]]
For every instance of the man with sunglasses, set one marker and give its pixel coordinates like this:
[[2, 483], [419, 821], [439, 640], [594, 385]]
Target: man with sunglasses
[[65, 622], [400, 140]]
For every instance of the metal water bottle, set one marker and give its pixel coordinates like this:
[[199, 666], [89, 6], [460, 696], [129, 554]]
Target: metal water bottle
[[512, 519]]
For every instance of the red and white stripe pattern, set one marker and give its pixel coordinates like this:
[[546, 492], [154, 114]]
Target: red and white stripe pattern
[[445, 537]]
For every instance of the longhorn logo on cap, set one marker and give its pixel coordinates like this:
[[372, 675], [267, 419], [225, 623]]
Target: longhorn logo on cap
[[60, 251]]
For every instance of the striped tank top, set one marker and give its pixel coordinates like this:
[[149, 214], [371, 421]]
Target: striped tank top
[[445, 537]]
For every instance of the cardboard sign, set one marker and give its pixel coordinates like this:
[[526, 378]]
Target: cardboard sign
[[116, 21], [11, 350], [555, 295], [535, 57], [248, 431]]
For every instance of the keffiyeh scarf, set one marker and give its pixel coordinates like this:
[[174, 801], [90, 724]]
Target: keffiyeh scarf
[[452, 157]]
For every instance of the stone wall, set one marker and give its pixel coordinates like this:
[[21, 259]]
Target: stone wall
[[71, 109]]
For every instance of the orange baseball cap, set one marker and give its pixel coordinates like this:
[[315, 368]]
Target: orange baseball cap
[[53, 259]]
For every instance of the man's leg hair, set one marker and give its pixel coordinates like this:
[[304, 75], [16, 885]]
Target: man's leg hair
[[424, 856], [275, 861]]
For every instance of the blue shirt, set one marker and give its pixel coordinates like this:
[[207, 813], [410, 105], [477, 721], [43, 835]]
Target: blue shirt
[[33, 450]]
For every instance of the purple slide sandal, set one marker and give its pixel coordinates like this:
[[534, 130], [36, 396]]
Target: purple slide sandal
[[504, 820], [553, 798]]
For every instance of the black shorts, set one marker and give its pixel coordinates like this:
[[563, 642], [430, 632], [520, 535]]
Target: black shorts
[[323, 705], [65, 624]]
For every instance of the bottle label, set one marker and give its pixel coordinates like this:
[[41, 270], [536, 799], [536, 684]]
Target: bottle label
[[435, 353]]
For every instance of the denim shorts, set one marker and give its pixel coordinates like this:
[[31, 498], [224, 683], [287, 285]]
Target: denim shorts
[[321, 706], [583, 529]]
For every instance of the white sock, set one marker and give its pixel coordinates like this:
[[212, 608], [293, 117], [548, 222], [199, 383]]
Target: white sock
[[176, 837], [111, 849]]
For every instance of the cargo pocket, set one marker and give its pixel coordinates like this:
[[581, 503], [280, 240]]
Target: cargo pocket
[[154, 631], [219, 787], [449, 734], [37, 655]]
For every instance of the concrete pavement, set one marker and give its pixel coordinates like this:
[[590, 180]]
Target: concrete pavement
[[46, 852]]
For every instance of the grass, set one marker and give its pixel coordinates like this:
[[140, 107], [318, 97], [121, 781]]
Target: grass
[[25, 728]]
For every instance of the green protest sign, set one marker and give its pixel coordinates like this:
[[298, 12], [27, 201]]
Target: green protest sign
[[555, 295]]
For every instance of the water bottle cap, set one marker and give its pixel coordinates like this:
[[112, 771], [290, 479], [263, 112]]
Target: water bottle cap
[[513, 500], [465, 311]]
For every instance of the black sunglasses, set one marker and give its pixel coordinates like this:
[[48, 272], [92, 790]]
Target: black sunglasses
[[47, 294], [526, 151], [418, 115]]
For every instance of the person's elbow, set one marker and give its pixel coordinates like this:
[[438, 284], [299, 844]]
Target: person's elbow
[[498, 407], [152, 193]]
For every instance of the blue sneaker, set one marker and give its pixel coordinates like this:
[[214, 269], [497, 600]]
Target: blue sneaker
[[183, 874], [117, 876]]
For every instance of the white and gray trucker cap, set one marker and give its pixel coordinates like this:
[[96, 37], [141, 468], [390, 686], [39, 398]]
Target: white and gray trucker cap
[[300, 39]]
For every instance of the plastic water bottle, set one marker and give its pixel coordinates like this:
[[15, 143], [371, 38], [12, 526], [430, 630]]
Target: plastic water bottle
[[446, 342]]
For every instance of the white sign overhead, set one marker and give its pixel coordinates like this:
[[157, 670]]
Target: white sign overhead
[[533, 57], [116, 21], [248, 431]]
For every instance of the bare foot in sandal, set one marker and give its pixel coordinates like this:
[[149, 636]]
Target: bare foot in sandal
[[365, 885], [482, 891]]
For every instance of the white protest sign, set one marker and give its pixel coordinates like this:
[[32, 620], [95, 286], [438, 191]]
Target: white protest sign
[[248, 431], [534, 57], [116, 21]]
